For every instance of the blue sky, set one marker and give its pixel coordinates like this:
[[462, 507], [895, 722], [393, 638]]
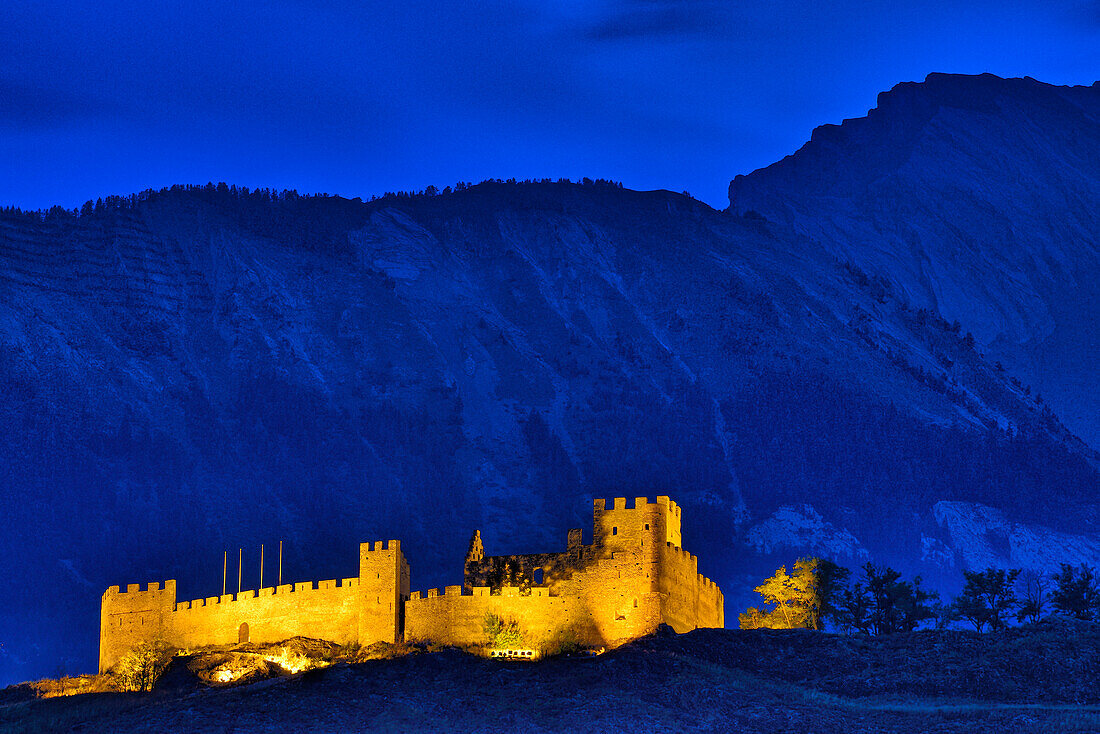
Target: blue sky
[[357, 98]]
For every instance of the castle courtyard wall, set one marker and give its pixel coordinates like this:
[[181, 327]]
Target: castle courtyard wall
[[328, 611], [545, 621]]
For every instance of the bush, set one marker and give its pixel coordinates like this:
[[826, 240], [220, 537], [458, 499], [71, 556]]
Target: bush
[[501, 633], [140, 668], [565, 643]]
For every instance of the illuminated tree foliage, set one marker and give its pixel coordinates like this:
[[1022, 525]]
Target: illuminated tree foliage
[[140, 668], [503, 633], [988, 598], [802, 599]]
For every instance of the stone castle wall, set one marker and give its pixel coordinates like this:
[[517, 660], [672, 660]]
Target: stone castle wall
[[608, 604], [363, 609], [133, 617], [633, 577]]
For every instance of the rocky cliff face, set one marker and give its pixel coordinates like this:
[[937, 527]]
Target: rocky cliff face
[[976, 197], [203, 369]]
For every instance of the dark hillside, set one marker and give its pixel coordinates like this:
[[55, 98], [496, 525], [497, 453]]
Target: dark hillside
[[1039, 679]]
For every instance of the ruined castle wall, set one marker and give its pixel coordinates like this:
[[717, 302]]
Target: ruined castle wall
[[453, 618], [522, 570], [328, 611], [132, 617], [631, 578]]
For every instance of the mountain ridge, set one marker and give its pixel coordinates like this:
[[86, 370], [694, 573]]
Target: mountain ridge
[[976, 198]]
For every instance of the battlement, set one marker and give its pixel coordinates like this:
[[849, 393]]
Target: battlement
[[679, 552], [378, 545], [153, 587], [268, 591], [506, 591], [638, 503]]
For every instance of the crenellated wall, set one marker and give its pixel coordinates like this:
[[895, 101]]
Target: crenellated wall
[[545, 619], [363, 609], [690, 600], [132, 617], [328, 611], [633, 577]]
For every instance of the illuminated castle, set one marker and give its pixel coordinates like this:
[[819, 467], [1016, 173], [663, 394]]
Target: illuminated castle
[[631, 578]]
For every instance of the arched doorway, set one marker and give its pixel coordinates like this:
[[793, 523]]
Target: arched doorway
[[242, 633]]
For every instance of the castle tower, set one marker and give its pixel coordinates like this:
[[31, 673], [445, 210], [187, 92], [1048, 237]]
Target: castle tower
[[383, 589], [617, 527], [132, 617]]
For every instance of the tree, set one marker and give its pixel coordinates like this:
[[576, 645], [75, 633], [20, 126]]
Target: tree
[[139, 669], [987, 599], [883, 604], [781, 594], [1033, 587], [854, 611], [802, 599], [1076, 593], [832, 581]]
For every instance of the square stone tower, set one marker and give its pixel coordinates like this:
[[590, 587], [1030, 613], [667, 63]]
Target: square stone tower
[[383, 590], [615, 526]]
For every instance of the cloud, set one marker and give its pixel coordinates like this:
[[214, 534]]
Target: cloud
[[1092, 12], [639, 19], [31, 105]]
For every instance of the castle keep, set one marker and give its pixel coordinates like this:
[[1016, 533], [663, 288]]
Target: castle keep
[[632, 577]]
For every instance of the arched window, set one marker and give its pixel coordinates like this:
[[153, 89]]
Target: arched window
[[242, 633]]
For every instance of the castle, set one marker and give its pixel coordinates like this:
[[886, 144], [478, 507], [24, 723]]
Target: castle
[[633, 577]]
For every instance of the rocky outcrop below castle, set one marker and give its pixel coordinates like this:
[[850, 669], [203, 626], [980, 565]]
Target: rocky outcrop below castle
[[707, 680]]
